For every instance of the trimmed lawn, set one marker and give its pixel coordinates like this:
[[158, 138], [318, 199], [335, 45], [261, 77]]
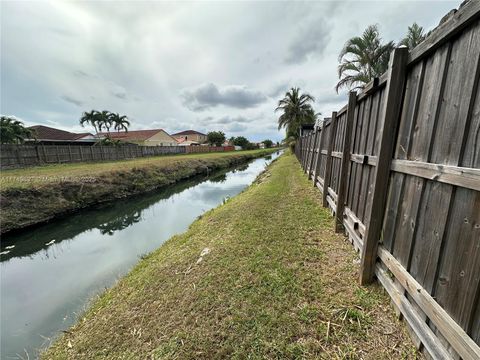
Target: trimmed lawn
[[263, 276]]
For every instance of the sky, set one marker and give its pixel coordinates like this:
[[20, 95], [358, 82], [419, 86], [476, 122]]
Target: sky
[[187, 65]]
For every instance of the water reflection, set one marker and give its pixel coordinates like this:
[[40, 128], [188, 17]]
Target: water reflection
[[107, 218]]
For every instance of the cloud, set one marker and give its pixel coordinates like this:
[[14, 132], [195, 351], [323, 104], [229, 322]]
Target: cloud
[[309, 41], [72, 100], [172, 48], [120, 95], [209, 95], [235, 128], [278, 90], [80, 73]]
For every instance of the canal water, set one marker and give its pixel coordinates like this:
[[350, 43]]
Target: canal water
[[53, 271]]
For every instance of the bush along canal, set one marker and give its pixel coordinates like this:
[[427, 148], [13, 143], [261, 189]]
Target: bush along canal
[[49, 274]]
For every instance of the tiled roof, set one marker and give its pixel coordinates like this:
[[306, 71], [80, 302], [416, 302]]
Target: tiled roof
[[188, 132], [132, 134], [48, 133]]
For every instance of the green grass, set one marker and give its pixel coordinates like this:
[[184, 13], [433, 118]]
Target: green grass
[[277, 283], [40, 175]]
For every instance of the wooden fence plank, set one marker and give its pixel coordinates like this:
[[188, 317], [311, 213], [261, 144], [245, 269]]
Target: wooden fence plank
[[328, 163], [312, 159], [454, 175], [456, 336], [426, 335], [387, 129], [342, 187]]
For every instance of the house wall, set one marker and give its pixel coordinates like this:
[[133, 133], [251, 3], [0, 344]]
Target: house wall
[[159, 139], [195, 137]]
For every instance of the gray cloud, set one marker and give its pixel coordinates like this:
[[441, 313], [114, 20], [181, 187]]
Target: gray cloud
[[234, 119], [209, 95], [310, 40], [120, 95], [279, 90], [80, 73], [72, 100], [237, 128]]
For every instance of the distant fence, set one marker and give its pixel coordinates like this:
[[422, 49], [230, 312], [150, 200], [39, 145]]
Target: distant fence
[[17, 156], [399, 166], [205, 149]]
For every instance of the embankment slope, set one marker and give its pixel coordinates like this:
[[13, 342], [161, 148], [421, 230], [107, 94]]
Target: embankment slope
[[262, 277]]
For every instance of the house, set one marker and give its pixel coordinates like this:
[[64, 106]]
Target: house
[[182, 142], [154, 137], [46, 135], [191, 135]]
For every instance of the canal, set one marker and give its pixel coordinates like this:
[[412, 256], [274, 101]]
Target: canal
[[49, 274]]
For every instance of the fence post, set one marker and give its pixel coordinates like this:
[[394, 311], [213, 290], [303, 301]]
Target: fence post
[[39, 157], [304, 147], [307, 150], [387, 131], [342, 186], [328, 164], [301, 150], [44, 154], [319, 156], [310, 171]]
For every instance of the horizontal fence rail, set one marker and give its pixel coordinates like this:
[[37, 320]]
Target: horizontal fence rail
[[399, 167], [18, 156]]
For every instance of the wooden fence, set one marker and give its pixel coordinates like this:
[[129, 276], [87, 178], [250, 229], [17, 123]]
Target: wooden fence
[[399, 166], [17, 156]]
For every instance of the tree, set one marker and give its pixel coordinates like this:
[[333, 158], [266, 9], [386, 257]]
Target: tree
[[415, 35], [311, 116], [216, 138], [90, 118], [296, 111], [241, 141], [12, 131], [119, 122], [268, 143], [101, 120], [362, 59], [104, 121]]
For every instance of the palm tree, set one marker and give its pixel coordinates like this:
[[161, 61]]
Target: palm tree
[[13, 131], [120, 122], [311, 116], [296, 111], [362, 59], [415, 35], [90, 118], [104, 121]]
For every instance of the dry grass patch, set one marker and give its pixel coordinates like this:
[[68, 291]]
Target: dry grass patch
[[261, 277]]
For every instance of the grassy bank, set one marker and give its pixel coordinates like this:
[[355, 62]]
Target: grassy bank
[[263, 276], [35, 195]]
